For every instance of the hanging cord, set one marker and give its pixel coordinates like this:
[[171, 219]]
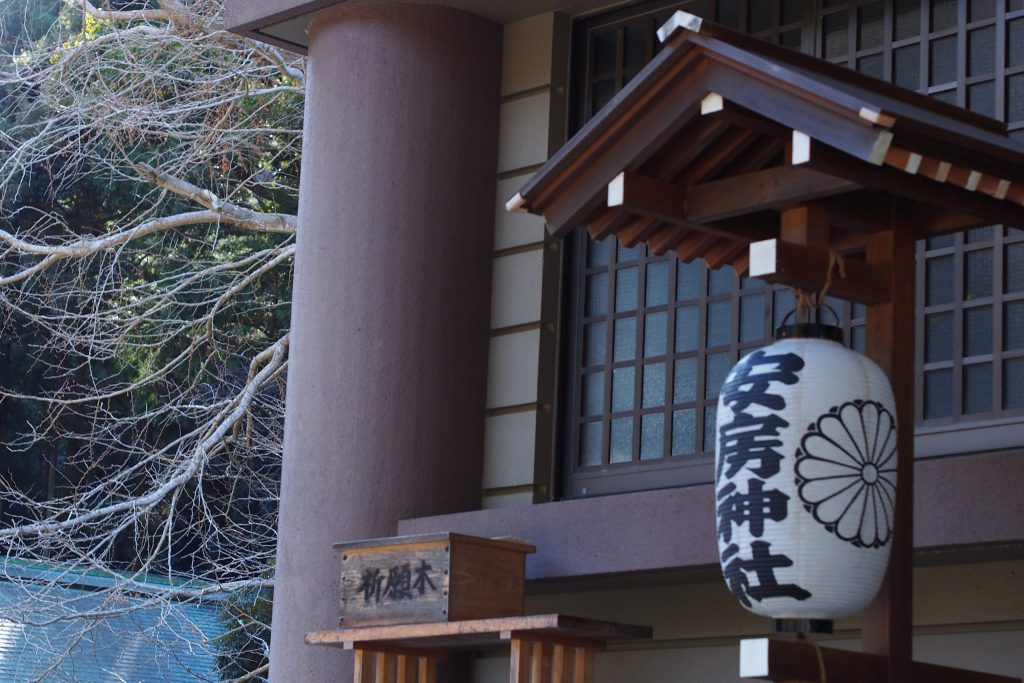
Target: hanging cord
[[822, 673], [804, 300]]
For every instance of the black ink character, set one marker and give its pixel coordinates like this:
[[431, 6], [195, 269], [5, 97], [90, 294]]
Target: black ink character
[[423, 578], [753, 507], [371, 585], [763, 564], [399, 583], [786, 366], [747, 439]]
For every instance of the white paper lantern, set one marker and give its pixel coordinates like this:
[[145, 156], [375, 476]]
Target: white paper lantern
[[805, 477]]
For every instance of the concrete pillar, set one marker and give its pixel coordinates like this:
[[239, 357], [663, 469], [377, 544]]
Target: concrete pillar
[[387, 377]]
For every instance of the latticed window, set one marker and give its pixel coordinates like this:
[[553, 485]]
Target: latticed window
[[651, 339]]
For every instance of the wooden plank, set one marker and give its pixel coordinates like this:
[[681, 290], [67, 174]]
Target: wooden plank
[[809, 112], [583, 660], [559, 662], [716, 159], [806, 225], [931, 221], [646, 196], [723, 253], [627, 144], [694, 246], [406, 669], [537, 662], [865, 211], [689, 144], [427, 671], [668, 236], [793, 660], [519, 662], [773, 188], [915, 187], [384, 668], [451, 634], [608, 222], [741, 264], [804, 267], [637, 231], [363, 671], [890, 326]]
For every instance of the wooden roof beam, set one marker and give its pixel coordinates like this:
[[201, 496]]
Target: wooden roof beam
[[807, 268], [773, 188], [608, 223], [914, 187]]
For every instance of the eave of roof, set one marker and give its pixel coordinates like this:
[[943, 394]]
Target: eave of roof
[[718, 105]]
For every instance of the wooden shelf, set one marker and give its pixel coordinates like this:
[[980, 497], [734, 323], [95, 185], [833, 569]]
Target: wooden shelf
[[481, 634], [544, 648]]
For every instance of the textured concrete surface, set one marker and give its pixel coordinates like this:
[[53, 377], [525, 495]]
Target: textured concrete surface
[[387, 377]]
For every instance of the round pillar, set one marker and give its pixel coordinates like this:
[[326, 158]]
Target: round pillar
[[390, 313]]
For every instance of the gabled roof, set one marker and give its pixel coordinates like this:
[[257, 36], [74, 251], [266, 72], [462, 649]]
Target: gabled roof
[[721, 131]]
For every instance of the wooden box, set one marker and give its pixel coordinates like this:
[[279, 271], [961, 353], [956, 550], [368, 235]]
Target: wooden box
[[431, 578]]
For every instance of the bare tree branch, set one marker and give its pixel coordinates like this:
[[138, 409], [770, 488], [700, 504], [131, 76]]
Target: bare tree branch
[[149, 168]]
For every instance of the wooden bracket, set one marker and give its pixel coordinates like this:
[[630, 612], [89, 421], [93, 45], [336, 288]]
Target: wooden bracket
[[807, 268], [768, 659]]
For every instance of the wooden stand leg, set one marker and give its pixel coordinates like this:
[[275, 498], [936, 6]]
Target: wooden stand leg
[[519, 668], [406, 669], [537, 663], [384, 668], [561, 668], [583, 664], [364, 666], [428, 670]]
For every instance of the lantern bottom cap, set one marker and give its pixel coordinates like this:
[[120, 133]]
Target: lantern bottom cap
[[804, 626]]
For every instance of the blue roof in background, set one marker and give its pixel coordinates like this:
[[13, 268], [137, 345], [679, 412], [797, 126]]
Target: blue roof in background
[[141, 642]]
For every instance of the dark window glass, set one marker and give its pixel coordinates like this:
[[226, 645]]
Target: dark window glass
[[835, 35], [977, 396], [1015, 42], [943, 60], [906, 66], [981, 51], [870, 26], [873, 66], [944, 14], [1013, 384], [792, 10], [938, 337], [1013, 326], [907, 22], [978, 331], [981, 9], [938, 391], [759, 16]]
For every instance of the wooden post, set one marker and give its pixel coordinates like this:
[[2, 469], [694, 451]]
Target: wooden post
[[890, 343], [363, 666], [519, 664], [406, 669], [559, 664], [583, 666]]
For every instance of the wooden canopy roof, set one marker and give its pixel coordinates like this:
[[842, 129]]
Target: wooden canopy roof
[[721, 133]]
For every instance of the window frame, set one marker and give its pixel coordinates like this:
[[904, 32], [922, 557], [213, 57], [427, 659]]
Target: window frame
[[933, 437]]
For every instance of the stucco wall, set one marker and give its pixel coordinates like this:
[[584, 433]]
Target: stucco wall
[[522, 319], [969, 616]]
